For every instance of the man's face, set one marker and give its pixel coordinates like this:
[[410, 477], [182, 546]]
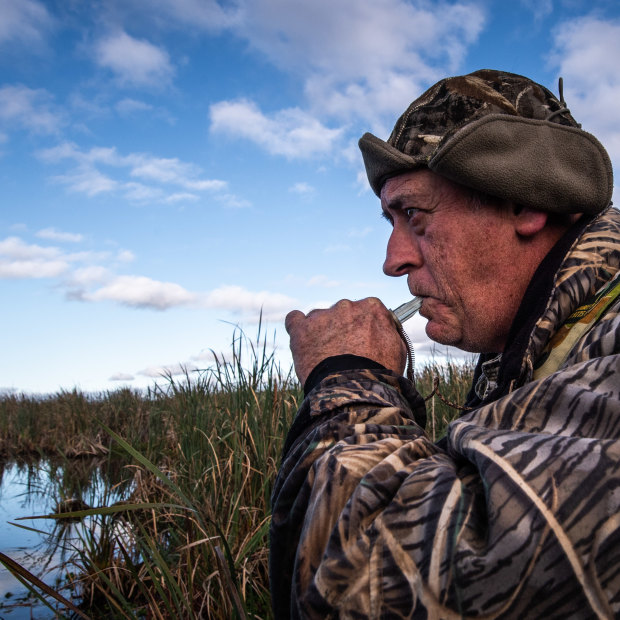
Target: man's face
[[462, 259]]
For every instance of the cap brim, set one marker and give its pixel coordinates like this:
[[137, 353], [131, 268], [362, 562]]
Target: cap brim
[[383, 161]]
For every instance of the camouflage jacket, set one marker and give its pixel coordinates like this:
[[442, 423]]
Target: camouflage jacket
[[514, 514]]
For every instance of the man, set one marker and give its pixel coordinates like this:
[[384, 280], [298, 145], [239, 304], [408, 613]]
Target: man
[[501, 216]]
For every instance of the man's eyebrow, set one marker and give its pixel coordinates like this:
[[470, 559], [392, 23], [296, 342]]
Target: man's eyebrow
[[395, 204], [405, 201]]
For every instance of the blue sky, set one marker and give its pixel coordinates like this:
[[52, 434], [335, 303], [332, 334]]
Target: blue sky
[[170, 167]]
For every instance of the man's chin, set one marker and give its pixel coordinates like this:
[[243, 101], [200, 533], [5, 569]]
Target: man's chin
[[443, 334]]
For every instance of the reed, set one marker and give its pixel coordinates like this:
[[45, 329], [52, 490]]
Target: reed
[[445, 387], [189, 539]]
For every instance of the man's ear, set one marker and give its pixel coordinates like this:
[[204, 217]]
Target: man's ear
[[528, 222]]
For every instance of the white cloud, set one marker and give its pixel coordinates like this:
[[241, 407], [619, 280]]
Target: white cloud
[[138, 192], [304, 189], [26, 21], [233, 202], [135, 62], [87, 276], [146, 293], [125, 256], [208, 356], [28, 109], [207, 15], [346, 49], [358, 39], [19, 260], [58, 235], [14, 247], [586, 53], [131, 106], [87, 180], [74, 270], [361, 181], [241, 301], [363, 58], [181, 197], [143, 292], [359, 61], [121, 376], [170, 370], [83, 278], [87, 177], [292, 132], [35, 268], [170, 170], [540, 8]]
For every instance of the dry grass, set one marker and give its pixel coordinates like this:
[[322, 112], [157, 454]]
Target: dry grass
[[445, 386], [189, 539]]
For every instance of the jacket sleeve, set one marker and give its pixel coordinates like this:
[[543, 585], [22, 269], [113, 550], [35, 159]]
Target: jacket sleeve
[[517, 516]]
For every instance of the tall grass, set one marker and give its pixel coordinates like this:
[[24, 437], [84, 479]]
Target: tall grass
[[189, 539], [445, 387]]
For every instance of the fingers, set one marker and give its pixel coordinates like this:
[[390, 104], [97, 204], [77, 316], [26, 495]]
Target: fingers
[[344, 305], [364, 328]]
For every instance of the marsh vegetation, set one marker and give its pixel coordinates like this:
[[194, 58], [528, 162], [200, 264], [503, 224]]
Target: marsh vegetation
[[179, 525]]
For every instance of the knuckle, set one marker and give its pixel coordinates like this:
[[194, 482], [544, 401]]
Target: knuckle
[[291, 318], [314, 313]]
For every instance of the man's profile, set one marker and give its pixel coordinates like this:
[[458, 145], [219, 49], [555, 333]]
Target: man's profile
[[501, 216]]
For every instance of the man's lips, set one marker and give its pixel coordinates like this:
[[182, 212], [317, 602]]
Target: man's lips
[[424, 297], [428, 296], [428, 303]]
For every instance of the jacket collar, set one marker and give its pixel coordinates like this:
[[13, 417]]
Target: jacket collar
[[585, 258]]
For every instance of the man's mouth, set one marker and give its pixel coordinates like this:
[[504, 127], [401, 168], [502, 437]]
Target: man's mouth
[[428, 304]]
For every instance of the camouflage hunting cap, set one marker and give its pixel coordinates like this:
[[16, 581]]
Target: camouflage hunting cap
[[501, 134]]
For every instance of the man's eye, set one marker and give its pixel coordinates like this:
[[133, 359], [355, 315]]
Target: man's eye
[[411, 211]]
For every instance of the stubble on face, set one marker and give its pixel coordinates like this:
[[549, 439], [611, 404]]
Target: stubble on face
[[459, 260]]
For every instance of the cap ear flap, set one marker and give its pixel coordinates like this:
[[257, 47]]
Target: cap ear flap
[[535, 163]]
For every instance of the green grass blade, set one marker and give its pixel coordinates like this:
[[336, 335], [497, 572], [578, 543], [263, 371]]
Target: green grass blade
[[31, 581], [103, 510], [150, 466], [30, 529]]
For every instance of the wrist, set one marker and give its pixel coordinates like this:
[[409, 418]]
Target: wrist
[[338, 363]]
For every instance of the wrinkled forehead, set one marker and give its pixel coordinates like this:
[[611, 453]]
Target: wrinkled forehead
[[420, 187]]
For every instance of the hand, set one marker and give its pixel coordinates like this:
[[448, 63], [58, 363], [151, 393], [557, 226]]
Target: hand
[[366, 328]]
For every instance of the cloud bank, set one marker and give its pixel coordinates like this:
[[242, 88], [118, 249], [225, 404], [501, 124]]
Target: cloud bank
[[359, 62], [586, 53], [82, 277], [89, 174], [24, 22]]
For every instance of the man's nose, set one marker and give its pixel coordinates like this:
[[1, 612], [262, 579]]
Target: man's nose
[[403, 253]]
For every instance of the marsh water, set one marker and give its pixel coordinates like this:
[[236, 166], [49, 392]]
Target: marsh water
[[50, 548]]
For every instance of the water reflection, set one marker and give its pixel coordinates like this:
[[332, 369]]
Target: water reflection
[[50, 548]]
